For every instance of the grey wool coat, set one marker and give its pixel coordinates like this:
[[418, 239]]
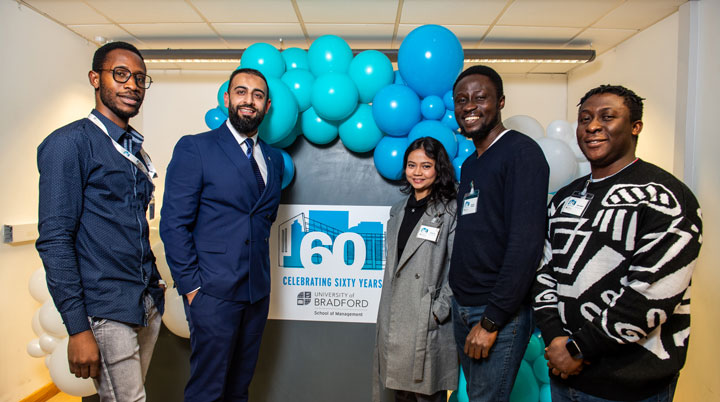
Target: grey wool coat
[[412, 351]]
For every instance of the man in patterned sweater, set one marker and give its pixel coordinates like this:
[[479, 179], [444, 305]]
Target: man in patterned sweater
[[612, 296]]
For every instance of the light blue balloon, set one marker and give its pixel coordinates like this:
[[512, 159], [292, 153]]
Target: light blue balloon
[[264, 58], [541, 370], [334, 96], [370, 71], [329, 54], [214, 118], [465, 147], [435, 129], [221, 96], [295, 57], [359, 133], [300, 83], [398, 78], [432, 108], [534, 349], [448, 100], [429, 59], [457, 165], [283, 114], [316, 129], [289, 171], [396, 109], [525, 389], [290, 139], [388, 157], [449, 120], [545, 393]]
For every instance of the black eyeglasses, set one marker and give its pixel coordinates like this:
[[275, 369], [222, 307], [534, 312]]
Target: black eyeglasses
[[122, 75]]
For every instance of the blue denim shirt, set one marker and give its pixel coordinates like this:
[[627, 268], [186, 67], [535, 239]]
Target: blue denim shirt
[[93, 231]]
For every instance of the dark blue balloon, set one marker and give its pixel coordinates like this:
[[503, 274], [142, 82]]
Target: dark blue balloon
[[435, 129], [214, 118], [396, 109], [388, 157]]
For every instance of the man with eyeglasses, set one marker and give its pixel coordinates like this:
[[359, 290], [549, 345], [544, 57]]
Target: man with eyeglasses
[[96, 183]]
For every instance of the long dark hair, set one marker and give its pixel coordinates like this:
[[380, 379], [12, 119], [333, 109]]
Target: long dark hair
[[443, 188]]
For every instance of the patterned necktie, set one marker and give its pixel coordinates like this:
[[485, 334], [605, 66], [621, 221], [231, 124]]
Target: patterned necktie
[[253, 163]]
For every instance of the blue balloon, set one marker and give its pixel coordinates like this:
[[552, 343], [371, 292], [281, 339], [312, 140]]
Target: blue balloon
[[396, 109], [316, 129], [334, 96], [295, 57], [289, 171], [541, 370], [370, 71], [264, 58], [457, 165], [359, 133], [329, 54], [388, 157], [300, 83], [283, 113], [221, 96], [398, 78], [214, 118], [545, 393], [435, 129], [534, 349], [465, 147], [432, 108], [448, 100], [290, 139], [449, 120], [525, 389], [429, 59]]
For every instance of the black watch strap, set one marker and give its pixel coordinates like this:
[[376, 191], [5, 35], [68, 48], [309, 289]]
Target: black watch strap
[[573, 348], [488, 325]]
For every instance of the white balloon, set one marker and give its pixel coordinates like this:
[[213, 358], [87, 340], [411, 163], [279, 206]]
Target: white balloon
[[36, 327], [526, 125], [34, 349], [174, 316], [574, 145], [561, 130], [61, 376], [158, 250], [583, 169], [38, 286], [47, 361], [561, 161], [48, 343], [51, 321]]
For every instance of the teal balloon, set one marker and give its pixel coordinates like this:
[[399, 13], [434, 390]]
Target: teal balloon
[[545, 393], [462, 386], [448, 100], [289, 171], [525, 389], [359, 133], [329, 54], [370, 71], [290, 139], [334, 96], [541, 370], [429, 59], [435, 129], [457, 166], [388, 157], [283, 114], [534, 349], [214, 118], [316, 129], [264, 58], [300, 83], [295, 57], [449, 120], [396, 109], [221, 96], [432, 108], [465, 147]]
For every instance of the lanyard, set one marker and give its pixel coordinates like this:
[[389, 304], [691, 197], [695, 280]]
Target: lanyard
[[150, 171]]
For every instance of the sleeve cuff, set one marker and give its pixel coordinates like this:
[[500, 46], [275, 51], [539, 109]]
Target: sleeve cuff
[[76, 321], [496, 315]]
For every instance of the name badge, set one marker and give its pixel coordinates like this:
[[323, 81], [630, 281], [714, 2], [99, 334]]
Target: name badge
[[576, 204], [428, 233]]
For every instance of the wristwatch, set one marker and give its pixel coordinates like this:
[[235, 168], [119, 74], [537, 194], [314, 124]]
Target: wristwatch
[[573, 348], [488, 325]]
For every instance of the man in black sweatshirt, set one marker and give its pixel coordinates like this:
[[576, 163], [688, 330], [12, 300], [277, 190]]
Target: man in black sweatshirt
[[612, 297], [498, 240]]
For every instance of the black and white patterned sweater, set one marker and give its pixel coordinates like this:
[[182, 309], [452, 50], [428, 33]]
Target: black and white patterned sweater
[[617, 280]]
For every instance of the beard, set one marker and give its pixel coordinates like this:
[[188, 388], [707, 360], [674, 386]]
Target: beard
[[110, 100], [245, 124], [480, 133]]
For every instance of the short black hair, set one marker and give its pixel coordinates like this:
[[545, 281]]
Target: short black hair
[[633, 102], [443, 190], [486, 71], [250, 71], [102, 52]]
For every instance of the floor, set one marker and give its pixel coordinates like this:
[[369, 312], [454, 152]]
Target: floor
[[63, 397]]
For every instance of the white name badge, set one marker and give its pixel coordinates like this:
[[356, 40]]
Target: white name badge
[[428, 233], [575, 206], [469, 205]]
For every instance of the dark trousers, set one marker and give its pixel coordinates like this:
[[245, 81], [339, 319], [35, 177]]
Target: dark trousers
[[225, 340]]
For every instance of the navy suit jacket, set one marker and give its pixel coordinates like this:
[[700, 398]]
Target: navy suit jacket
[[215, 224]]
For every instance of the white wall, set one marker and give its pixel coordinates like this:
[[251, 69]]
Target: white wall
[[542, 96], [44, 86], [647, 64]]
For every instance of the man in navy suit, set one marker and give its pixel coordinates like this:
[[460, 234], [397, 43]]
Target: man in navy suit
[[222, 193]]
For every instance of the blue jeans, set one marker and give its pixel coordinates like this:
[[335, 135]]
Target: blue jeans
[[562, 393], [492, 379]]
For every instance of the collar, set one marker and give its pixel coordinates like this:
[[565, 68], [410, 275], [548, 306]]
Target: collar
[[240, 137], [116, 132]]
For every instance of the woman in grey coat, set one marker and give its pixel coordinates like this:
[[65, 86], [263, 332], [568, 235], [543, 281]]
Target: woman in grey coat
[[415, 354]]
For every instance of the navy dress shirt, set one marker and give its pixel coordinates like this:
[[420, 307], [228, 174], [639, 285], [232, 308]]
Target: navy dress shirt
[[93, 231]]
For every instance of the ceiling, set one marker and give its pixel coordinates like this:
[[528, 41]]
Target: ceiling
[[364, 24]]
